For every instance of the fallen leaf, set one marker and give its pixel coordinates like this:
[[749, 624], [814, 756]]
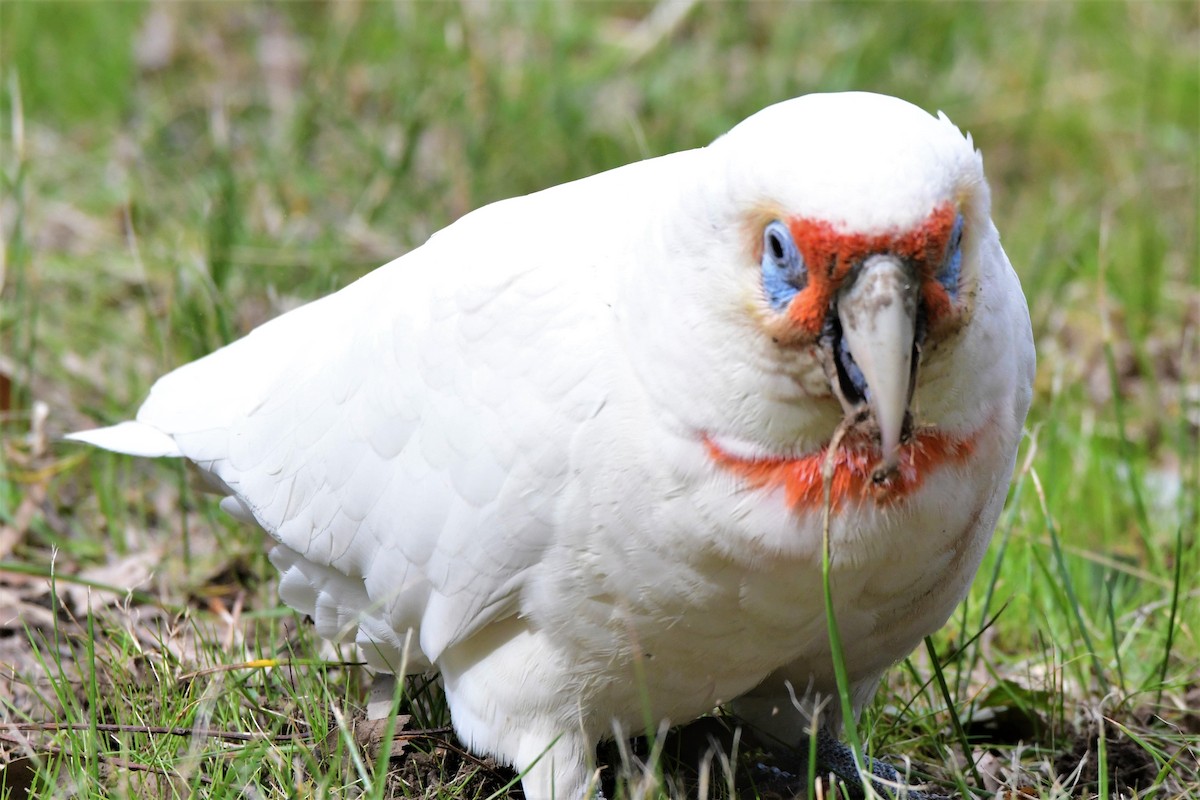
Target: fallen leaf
[[17, 613], [122, 574], [369, 733], [18, 776]]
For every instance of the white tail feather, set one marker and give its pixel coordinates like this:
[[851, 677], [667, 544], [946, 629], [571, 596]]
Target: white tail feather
[[134, 438]]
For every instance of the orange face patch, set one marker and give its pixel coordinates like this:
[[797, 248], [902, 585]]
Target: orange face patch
[[830, 255], [854, 467]]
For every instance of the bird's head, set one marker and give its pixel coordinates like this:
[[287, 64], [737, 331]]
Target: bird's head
[[834, 247]]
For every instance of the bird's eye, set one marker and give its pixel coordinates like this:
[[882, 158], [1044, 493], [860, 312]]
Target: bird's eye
[[783, 273], [948, 272]]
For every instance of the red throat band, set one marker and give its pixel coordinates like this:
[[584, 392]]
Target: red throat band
[[854, 466]]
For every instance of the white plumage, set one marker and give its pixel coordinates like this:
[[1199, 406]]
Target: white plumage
[[561, 448]]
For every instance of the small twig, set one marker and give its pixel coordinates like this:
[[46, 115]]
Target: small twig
[[427, 733], [437, 735], [111, 761], [152, 730]]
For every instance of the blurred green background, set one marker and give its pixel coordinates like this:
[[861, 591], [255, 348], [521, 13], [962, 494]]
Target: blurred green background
[[291, 146], [175, 173]]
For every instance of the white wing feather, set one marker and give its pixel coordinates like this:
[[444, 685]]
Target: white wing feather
[[405, 439]]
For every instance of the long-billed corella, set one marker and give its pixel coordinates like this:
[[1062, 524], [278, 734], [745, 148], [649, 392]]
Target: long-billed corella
[[569, 453]]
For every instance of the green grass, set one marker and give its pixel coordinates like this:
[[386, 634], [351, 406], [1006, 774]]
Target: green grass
[[161, 194]]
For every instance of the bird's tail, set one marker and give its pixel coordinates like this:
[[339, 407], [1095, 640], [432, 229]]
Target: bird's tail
[[133, 438]]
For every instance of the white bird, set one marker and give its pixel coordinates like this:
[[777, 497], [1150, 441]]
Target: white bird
[[568, 453]]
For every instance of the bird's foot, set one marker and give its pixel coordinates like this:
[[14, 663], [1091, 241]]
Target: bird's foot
[[836, 759]]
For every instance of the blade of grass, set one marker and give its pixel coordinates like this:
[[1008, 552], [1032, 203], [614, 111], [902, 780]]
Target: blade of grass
[[1068, 585], [92, 752], [385, 746], [15, 254], [1172, 615], [837, 652], [1111, 614], [955, 722], [1001, 550], [813, 732], [1125, 446]]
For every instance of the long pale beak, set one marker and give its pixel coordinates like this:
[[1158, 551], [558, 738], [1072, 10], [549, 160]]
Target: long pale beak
[[878, 316]]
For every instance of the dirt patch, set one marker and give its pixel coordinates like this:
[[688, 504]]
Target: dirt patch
[[1129, 766], [429, 762]]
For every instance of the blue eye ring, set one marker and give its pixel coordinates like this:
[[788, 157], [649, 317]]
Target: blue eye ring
[[951, 266], [783, 272]]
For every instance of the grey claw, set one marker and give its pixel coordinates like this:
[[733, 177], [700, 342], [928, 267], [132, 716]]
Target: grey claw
[[834, 757]]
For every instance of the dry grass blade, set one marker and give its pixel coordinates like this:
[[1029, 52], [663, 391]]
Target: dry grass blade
[[267, 663]]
